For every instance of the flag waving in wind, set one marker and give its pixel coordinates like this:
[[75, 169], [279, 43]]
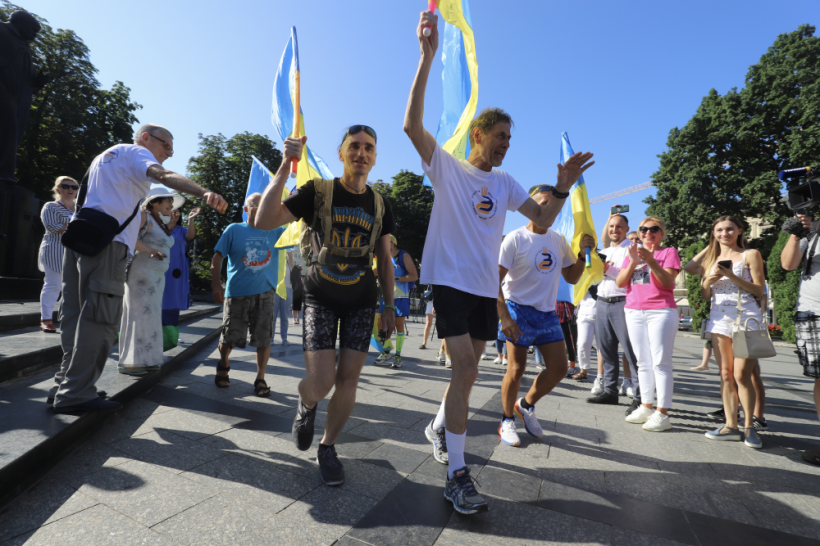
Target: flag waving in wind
[[282, 114], [574, 222]]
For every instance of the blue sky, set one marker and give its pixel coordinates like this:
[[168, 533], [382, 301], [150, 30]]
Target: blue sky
[[617, 76]]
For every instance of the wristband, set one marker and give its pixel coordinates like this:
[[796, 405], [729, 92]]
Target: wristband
[[559, 194], [390, 307]]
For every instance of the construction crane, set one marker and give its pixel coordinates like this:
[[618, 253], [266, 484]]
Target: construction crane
[[619, 193]]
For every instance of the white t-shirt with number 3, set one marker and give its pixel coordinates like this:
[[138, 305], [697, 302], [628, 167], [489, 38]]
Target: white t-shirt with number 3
[[466, 224], [534, 264]]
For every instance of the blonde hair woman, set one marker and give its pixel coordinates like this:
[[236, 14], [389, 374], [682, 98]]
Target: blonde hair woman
[[55, 216], [649, 273]]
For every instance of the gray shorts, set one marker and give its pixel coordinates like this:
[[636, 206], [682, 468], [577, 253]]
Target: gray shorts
[[243, 314]]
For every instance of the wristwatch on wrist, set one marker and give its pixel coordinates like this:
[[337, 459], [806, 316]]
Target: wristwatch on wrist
[[559, 194]]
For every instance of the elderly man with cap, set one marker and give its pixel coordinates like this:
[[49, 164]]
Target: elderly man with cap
[[94, 285], [405, 273]]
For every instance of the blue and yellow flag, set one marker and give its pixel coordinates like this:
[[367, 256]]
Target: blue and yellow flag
[[574, 222], [459, 77], [282, 110]]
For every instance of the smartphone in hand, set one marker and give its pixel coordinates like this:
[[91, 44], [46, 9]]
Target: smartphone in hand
[[619, 209], [725, 263]]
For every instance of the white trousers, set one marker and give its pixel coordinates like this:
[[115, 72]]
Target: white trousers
[[52, 286], [652, 334], [587, 331]]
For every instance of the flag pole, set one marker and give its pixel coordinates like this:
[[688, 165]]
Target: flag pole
[[296, 101]]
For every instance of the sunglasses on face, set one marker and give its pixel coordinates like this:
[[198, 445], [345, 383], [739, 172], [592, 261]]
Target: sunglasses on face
[[69, 187], [540, 189], [165, 145], [353, 129], [653, 229]]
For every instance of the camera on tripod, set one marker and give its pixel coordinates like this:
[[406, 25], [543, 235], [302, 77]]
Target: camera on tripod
[[805, 195]]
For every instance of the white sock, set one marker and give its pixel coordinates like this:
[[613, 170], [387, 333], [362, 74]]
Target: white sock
[[439, 422], [455, 451]]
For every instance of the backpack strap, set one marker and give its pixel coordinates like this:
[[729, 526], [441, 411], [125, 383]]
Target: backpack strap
[[377, 225]]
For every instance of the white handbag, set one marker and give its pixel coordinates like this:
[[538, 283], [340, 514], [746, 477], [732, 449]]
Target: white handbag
[[748, 343]]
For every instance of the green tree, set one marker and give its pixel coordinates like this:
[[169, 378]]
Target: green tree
[[698, 305], [725, 159], [785, 286], [412, 204], [223, 165], [72, 119]]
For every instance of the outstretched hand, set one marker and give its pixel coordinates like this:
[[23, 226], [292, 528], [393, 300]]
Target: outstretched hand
[[572, 169], [216, 202], [428, 44]]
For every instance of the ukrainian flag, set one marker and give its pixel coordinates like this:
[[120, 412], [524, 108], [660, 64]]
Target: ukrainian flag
[[282, 110], [459, 76], [574, 222]]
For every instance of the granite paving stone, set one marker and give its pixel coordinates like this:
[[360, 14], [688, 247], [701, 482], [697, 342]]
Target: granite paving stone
[[168, 449], [335, 508], [43, 504]]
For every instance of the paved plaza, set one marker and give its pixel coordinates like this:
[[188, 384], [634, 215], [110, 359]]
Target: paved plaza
[[189, 463]]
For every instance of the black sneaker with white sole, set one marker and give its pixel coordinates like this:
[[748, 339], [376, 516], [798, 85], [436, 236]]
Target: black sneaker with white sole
[[303, 426], [632, 407], [330, 467], [760, 424]]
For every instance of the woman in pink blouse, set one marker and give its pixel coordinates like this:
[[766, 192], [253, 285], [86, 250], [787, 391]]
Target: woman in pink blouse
[[649, 274]]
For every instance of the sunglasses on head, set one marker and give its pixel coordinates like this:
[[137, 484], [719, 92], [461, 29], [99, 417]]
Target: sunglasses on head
[[353, 129], [653, 229], [69, 187], [540, 189]]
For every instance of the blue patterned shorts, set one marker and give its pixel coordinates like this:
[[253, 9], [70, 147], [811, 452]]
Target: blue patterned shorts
[[537, 327]]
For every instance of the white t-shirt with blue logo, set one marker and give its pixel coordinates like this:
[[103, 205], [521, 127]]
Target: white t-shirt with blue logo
[[253, 262], [467, 223], [534, 264]]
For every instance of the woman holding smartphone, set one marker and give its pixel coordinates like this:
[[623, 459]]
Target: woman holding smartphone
[[649, 273], [729, 268]]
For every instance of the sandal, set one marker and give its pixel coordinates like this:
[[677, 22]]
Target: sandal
[[48, 327], [261, 388], [222, 381], [812, 456], [581, 376]]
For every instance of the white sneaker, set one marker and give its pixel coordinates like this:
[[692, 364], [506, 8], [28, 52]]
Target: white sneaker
[[504, 362], [640, 415], [622, 390], [630, 388], [442, 357], [485, 356], [448, 363], [498, 360], [531, 424], [657, 422], [508, 434], [571, 371], [598, 385]]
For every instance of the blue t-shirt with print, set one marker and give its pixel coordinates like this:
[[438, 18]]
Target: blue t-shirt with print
[[253, 262]]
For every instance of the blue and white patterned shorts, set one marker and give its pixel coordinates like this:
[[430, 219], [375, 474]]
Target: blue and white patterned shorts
[[537, 327]]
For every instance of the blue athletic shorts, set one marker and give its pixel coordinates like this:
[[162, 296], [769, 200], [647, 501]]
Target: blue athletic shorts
[[402, 306], [537, 327]]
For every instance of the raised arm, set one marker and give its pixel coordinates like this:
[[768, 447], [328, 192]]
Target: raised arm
[[191, 235], [423, 141], [573, 273], [544, 215], [791, 256], [272, 212], [180, 183], [693, 266]]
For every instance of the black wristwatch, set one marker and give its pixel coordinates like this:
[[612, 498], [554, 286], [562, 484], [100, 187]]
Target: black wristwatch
[[558, 194]]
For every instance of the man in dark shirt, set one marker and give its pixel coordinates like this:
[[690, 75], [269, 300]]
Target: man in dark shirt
[[340, 293]]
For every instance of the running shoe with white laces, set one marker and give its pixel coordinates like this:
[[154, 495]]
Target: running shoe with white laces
[[598, 385], [461, 491], [382, 358], [657, 422], [396, 364], [640, 415], [448, 363], [442, 358], [507, 432], [439, 440], [531, 424]]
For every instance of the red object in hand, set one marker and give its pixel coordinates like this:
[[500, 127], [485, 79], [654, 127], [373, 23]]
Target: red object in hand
[[431, 7]]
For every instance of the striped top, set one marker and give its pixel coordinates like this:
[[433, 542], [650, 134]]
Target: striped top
[[54, 216]]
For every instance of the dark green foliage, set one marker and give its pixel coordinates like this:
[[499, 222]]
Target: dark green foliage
[[72, 119], [412, 204], [785, 286], [725, 159], [223, 165], [698, 305]]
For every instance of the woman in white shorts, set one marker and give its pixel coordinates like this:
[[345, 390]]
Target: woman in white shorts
[[721, 283], [428, 313], [587, 331]]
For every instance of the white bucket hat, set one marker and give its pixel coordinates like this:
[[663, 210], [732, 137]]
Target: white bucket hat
[[162, 192]]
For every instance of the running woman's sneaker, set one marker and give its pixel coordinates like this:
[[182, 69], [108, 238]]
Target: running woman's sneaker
[[760, 424], [485, 356], [448, 363], [531, 424], [630, 387], [598, 385], [382, 358], [330, 467], [303, 426], [439, 440], [396, 362], [498, 361], [461, 492], [507, 432], [657, 422], [442, 358]]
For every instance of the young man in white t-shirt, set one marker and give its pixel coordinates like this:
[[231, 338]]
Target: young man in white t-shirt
[[461, 250], [529, 266]]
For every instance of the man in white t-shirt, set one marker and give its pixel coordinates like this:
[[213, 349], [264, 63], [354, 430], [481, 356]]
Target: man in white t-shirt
[[529, 266], [461, 250], [94, 285]]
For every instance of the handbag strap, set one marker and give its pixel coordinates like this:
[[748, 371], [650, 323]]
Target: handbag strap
[[83, 193], [739, 289]]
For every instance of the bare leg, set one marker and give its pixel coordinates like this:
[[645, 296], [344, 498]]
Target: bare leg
[[728, 373], [704, 364], [745, 388], [760, 391], [320, 368], [600, 363], [465, 353], [516, 364], [428, 327], [224, 353], [344, 396], [262, 357], [555, 358]]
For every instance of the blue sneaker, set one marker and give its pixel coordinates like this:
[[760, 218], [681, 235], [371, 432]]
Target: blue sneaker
[[462, 493]]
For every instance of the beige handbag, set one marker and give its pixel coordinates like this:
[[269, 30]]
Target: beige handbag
[[751, 343]]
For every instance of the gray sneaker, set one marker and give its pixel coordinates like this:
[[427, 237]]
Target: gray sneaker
[[396, 362], [462, 493], [439, 440], [382, 358]]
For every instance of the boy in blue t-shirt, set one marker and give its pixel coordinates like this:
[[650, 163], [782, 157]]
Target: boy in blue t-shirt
[[253, 269]]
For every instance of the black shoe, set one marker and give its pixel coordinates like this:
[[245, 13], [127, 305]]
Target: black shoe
[[101, 394], [98, 404], [303, 426], [330, 467], [760, 424], [604, 398], [720, 414], [635, 405]]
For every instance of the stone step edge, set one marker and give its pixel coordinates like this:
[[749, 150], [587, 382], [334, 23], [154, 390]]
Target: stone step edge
[[22, 365], [26, 470]]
